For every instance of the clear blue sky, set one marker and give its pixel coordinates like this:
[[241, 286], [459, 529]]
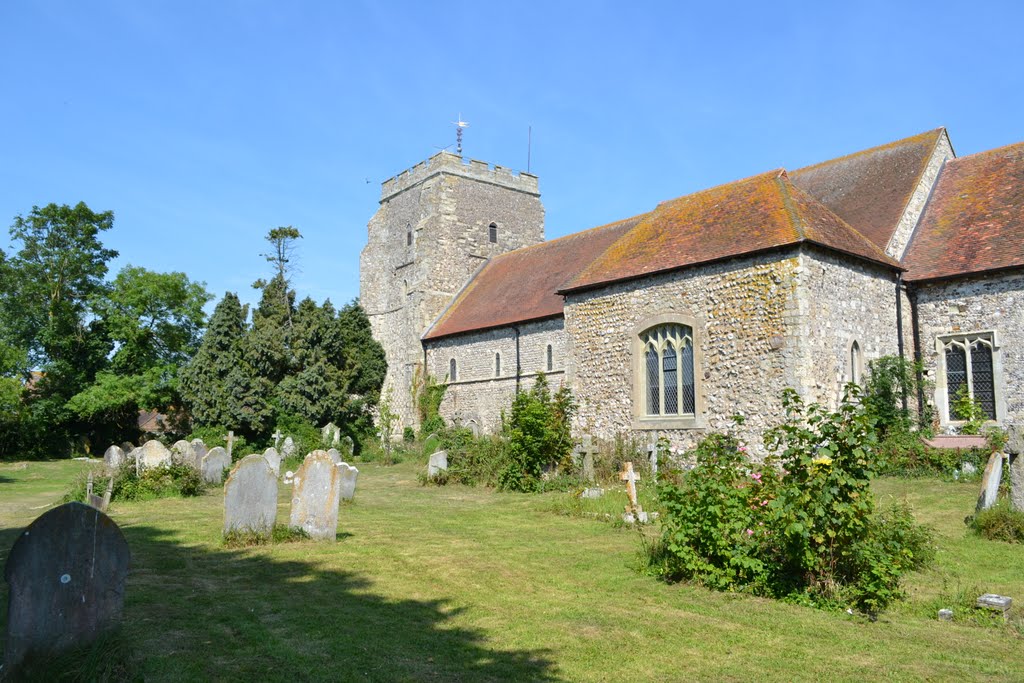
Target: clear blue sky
[[204, 124]]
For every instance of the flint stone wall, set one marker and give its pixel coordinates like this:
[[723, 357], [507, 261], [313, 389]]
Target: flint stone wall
[[994, 303], [480, 395]]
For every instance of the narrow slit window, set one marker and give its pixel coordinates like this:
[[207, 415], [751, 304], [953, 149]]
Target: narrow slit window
[[492, 233], [551, 359], [408, 235], [497, 365], [855, 363], [452, 371]]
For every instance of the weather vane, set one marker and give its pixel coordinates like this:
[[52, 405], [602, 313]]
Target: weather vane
[[459, 125]]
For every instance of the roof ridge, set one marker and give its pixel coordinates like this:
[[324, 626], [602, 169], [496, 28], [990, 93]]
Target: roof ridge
[[987, 152], [563, 238], [783, 184], [876, 148]]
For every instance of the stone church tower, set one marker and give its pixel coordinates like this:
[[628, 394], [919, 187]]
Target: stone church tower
[[437, 224]]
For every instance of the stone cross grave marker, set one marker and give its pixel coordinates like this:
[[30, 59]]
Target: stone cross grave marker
[[66, 575], [349, 474], [113, 457], [274, 458], [230, 438], [316, 496], [277, 437], [633, 512], [587, 452], [213, 465], [250, 496], [990, 482]]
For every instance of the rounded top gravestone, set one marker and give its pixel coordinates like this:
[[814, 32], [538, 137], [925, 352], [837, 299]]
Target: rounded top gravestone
[[274, 458], [113, 457], [154, 454], [250, 496]]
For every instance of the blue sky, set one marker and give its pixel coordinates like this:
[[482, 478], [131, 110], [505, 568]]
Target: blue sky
[[204, 124]]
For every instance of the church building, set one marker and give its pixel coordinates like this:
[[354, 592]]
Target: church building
[[670, 322]]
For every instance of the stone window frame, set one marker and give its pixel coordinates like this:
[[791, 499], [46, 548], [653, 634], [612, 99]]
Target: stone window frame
[[965, 339], [453, 368], [641, 420], [492, 233]]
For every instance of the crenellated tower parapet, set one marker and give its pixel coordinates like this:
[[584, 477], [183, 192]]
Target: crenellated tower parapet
[[453, 164]]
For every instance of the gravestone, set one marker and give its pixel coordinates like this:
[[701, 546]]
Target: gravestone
[[633, 513], [335, 455], [274, 458], [592, 493], [349, 474], [128, 447], [438, 463], [586, 453], [990, 482], [288, 447], [213, 465], [431, 443], [154, 454], [330, 434], [101, 503], [277, 438], [113, 457], [1017, 481], [316, 496], [200, 450], [250, 496], [1015, 439], [347, 446], [652, 457], [182, 453], [66, 575]]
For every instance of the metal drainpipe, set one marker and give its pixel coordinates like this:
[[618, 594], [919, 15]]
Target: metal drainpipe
[[518, 369], [899, 331]]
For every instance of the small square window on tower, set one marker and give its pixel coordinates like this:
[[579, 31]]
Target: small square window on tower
[[492, 233]]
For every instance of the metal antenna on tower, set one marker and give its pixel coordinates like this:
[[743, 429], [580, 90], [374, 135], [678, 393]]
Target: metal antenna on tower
[[459, 125]]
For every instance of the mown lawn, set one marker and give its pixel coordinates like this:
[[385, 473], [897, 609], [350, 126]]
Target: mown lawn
[[460, 584]]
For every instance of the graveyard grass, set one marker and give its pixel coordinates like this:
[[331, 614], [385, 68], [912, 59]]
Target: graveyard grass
[[453, 583]]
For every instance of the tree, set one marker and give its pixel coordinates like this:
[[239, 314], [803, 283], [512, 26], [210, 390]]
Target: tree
[[282, 240]]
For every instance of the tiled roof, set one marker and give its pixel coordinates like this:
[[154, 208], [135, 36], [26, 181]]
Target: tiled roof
[[759, 213], [974, 220], [520, 285], [870, 189]]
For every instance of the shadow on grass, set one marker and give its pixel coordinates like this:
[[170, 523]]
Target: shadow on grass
[[197, 613]]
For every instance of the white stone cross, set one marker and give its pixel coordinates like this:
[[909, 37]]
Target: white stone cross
[[277, 437], [231, 440], [630, 477]]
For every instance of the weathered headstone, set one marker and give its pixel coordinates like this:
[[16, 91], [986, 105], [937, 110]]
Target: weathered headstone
[[182, 453], [66, 575], [200, 450], [288, 447], [128, 447], [990, 482], [592, 493], [316, 496], [335, 455], [438, 463], [1017, 482], [431, 443], [331, 434], [996, 603], [652, 457], [113, 457], [633, 513], [213, 465], [154, 454], [349, 474], [347, 446], [250, 496], [586, 452], [274, 458]]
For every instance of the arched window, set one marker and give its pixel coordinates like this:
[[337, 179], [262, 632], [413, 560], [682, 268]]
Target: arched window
[[497, 365], [668, 372], [551, 359], [452, 375], [492, 233], [970, 371], [408, 234], [856, 363]]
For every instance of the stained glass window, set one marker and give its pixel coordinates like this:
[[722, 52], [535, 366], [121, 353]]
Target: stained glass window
[[970, 369], [668, 370]]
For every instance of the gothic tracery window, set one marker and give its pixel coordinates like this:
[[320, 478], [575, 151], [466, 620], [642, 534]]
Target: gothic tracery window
[[668, 370], [970, 370]]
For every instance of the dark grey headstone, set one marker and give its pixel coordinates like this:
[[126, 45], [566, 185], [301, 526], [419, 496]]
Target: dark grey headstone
[[316, 496], [213, 465], [438, 462], [113, 457], [66, 576], [250, 496]]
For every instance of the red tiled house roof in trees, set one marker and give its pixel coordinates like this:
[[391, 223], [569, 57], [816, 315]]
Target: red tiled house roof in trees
[[759, 213], [870, 189], [520, 285], [974, 220]]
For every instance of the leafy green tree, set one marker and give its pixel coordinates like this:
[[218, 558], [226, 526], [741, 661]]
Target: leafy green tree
[[538, 435]]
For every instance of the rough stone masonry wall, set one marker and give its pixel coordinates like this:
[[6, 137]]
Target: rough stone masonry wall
[[980, 304], [842, 300], [745, 313], [478, 394]]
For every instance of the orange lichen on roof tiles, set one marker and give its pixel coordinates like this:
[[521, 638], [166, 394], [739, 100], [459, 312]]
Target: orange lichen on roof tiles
[[974, 220], [870, 189], [743, 217], [520, 286]]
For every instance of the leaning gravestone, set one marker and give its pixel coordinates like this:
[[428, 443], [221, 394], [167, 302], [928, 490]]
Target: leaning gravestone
[[213, 465], [438, 462], [154, 454], [182, 453], [288, 447], [316, 495], [431, 444], [113, 457], [990, 480], [347, 446], [349, 474], [335, 455], [330, 434], [250, 496], [274, 458], [66, 576]]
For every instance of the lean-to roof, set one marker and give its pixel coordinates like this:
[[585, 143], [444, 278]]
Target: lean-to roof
[[974, 219]]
